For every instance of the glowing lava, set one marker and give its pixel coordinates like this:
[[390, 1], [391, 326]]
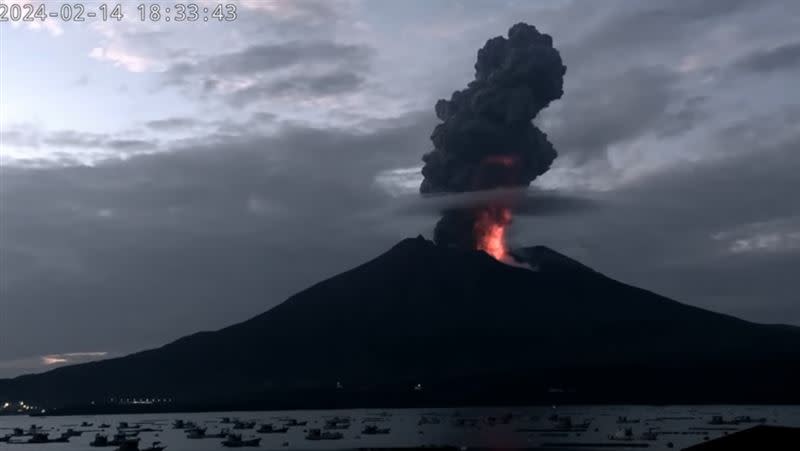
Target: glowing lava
[[490, 231]]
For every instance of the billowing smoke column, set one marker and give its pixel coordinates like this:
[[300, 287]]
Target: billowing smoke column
[[487, 139]]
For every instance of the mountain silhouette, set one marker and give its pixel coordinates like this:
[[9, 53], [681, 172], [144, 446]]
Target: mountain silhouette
[[427, 324]]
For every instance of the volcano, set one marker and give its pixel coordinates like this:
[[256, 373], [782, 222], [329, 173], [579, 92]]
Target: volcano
[[424, 324]]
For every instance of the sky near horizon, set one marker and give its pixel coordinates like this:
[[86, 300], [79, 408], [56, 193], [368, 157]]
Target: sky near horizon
[[157, 179]]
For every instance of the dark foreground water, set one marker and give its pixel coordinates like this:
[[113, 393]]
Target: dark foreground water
[[568, 427]]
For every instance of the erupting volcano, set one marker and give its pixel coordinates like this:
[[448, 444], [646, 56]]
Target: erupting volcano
[[490, 231], [487, 139]]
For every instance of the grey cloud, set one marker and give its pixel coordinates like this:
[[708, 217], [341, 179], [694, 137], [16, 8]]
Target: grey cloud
[[20, 137], [271, 57], [71, 138], [83, 80], [772, 129], [783, 57], [621, 107], [303, 18], [130, 144], [633, 27], [325, 84], [300, 85], [264, 58], [296, 68], [173, 123], [685, 117], [75, 139]]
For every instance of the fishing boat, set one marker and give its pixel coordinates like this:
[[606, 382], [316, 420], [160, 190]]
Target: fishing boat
[[270, 429], [39, 437], [196, 433], [372, 429], [317, 434], [236, 441], [337, 423], [156, 446], [100, 440], [622, 434], [240, 425]]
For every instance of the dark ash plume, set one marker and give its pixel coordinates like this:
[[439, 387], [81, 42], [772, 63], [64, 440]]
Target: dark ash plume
[[487, 139]]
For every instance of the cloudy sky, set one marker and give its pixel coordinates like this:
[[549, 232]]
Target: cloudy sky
[[161, 179]]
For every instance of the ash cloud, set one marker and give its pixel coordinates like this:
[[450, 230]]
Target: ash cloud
[[486, 139]]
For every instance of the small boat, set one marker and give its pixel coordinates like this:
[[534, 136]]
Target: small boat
[[239, 425], [129, 445], [337, 423], [196, 433], [225, 420], [316, 434], [73, 433], [467, 422], [63, 438], [39, 437], [221, 434], [99, 440], [235, 441], [649, 435], [156, 446], [372, 429], [270, 429], [719, 420], [178, 424], [293, 422], [104, 426], [17, 432], [626, 420], [86, 424], [747, 419], [428, 420], [122, 440], [566, 423], [622, 434], [128, 432]]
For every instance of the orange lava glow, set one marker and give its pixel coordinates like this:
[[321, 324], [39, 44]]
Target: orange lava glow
[[490, 231], [502, 160]]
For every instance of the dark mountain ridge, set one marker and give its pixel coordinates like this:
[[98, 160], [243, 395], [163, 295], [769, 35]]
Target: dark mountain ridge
[[466, 327]]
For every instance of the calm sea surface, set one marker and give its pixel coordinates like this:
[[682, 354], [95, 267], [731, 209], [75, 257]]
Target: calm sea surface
[[670, 427]]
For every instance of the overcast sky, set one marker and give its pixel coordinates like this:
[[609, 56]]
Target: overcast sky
[[161, 179]]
